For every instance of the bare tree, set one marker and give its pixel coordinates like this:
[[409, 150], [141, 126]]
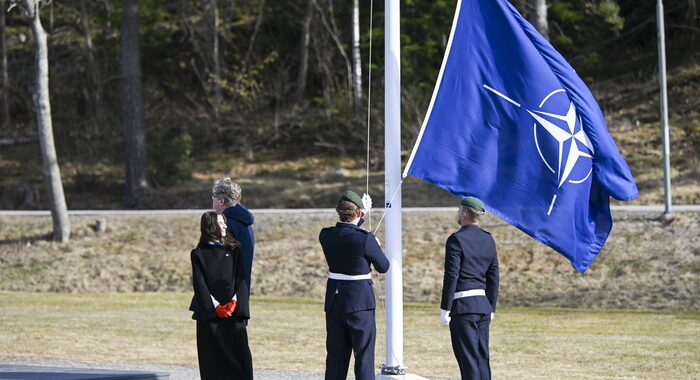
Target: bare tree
[[332, 29], [539, 17], [132, 106], [304, 52], [42, 105], [356, 59], [215, 56], [3, 69], [256, 30]]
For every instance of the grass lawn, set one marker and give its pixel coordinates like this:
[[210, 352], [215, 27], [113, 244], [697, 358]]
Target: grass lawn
[[288, 334]]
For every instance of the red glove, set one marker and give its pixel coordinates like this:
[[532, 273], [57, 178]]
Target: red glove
[[225, 311]]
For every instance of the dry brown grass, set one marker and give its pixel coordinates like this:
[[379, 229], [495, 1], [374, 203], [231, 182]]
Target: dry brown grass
[[646, 264], [288, 334]]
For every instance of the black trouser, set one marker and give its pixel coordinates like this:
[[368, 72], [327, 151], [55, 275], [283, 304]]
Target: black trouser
[[346, 333], [222, 350], [470, 343]]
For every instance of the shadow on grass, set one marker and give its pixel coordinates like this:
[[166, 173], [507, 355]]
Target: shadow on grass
[[27, 239]]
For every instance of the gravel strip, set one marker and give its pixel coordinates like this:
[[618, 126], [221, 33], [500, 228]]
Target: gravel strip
[[176, 372]]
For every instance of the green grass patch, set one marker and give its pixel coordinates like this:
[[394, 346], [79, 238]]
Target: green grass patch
[[289, 334]]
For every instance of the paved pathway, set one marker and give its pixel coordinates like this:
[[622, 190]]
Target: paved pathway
[[176, 372]]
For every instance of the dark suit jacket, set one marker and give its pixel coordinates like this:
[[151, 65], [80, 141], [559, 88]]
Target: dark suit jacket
[[350, 250], [218, 271], [471, 262], [239, 221]]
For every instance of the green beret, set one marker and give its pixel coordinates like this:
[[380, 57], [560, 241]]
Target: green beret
[[352, 197], [473, 203]]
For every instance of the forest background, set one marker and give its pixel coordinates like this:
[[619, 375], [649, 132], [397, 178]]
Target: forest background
[[275, 94], [269, 93]]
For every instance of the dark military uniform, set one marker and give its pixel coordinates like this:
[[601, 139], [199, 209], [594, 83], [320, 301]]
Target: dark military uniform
[[350, 304], [471, 271]]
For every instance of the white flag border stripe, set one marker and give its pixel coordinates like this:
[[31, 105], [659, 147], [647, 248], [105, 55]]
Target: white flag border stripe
[[435, 91]]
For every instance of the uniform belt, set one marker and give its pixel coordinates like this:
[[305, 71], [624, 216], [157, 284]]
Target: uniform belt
[[470, 293], [349, 277]]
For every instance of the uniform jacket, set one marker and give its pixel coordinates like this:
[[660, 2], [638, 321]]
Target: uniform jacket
[[350, 250], [218, 271], [470, 263], [240, 225]]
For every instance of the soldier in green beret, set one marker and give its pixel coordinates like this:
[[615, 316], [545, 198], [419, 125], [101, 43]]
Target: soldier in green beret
[[470, 290], [351, 253]]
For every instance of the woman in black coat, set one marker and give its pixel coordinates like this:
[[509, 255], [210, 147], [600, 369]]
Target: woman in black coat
[[220, 303]]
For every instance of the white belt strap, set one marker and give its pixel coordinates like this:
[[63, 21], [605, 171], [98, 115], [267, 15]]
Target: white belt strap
[[348, 277], [470, 293]]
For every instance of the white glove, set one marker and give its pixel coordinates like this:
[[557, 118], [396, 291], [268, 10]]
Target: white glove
[[492, 315], [367, 202], [444, 317]]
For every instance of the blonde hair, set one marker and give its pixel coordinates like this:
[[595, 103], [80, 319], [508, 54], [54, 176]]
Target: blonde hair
[[227, 190], [473, 215]]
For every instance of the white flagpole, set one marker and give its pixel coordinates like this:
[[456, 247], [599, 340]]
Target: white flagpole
[[393, 367], [663, 99], [392, 179]]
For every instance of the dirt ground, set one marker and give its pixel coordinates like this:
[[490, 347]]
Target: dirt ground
[[647, 263]]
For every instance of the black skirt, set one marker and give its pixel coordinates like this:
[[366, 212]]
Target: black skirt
[[222, 349]]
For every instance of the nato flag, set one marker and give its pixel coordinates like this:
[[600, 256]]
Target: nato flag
[[511, 123]]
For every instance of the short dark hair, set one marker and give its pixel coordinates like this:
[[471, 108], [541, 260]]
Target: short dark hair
[[347, 211]]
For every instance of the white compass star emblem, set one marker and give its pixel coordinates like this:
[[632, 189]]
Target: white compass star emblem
[[573, 132], [562, 136]]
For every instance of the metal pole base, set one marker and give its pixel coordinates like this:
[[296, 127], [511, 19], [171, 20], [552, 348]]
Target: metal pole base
[[397, 373], [406, 376]]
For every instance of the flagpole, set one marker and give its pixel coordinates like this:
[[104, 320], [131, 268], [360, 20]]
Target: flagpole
[[393, 367], [392, 169], [663, 98]]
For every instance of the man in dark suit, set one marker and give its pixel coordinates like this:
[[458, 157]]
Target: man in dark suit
[[350, 304], [226, 201], [470, 290]]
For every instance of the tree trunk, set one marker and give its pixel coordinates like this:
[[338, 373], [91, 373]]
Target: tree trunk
[[215, 57], [304, 53], [3, 70], [356, 59], [51, 171], [93, 77], [332, 30], [256, 30], [132, 107], [539, 17]]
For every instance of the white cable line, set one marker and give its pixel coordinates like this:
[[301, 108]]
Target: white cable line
[[390, 202]]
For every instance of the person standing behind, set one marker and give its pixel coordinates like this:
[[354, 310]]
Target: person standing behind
[[222, 303], [470, 290], [226, 198], [349, 303]]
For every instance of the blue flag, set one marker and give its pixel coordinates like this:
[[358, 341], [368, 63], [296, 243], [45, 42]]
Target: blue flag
[[511, 122]]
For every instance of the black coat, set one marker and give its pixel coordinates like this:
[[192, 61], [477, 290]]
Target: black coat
[[219, 272], [471, 262], [350, 250]]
